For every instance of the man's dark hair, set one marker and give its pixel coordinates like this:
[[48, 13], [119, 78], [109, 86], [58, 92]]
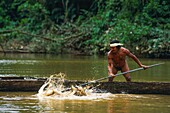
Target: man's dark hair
[[115, 41]]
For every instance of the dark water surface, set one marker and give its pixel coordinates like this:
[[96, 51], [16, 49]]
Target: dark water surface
[[80, 68]]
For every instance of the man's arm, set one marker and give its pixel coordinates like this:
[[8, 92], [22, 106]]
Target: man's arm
[[137, 60], [110, 66]]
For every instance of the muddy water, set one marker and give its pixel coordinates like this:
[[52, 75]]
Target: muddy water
[[80, 68], [22, 102], [76, 67]]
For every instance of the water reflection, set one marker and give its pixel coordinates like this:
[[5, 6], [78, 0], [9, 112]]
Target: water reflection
[[75, 106], [15, 102], [120, 103], [18, 102]]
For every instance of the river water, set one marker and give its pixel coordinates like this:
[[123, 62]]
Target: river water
[[80, 68]]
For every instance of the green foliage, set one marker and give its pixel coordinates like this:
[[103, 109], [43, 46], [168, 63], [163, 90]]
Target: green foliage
[[33, 16], [156, 14], [157, 45], [128, 25], [54, 26]]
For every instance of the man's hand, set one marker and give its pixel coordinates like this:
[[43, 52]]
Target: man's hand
[[144, 67], [93, 81], [112, 75]]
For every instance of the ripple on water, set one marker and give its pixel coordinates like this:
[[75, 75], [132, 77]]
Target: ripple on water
[[92, 96]]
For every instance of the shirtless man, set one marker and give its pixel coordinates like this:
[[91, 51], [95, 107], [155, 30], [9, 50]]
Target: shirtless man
[[117, 60]]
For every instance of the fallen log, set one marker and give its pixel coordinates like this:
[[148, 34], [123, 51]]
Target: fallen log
[[15, 84]]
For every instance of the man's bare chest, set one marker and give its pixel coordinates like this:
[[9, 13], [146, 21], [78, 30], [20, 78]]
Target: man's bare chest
[[118, 57]]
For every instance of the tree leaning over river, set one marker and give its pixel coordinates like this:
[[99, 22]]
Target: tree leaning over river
[[85, 26]]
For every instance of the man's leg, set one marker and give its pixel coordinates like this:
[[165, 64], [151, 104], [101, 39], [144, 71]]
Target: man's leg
[[127, 75]]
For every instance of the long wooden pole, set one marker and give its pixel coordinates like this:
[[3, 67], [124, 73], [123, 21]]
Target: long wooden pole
[[130, 71]]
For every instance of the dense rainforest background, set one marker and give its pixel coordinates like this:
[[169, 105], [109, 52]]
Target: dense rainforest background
[[85, 26]]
